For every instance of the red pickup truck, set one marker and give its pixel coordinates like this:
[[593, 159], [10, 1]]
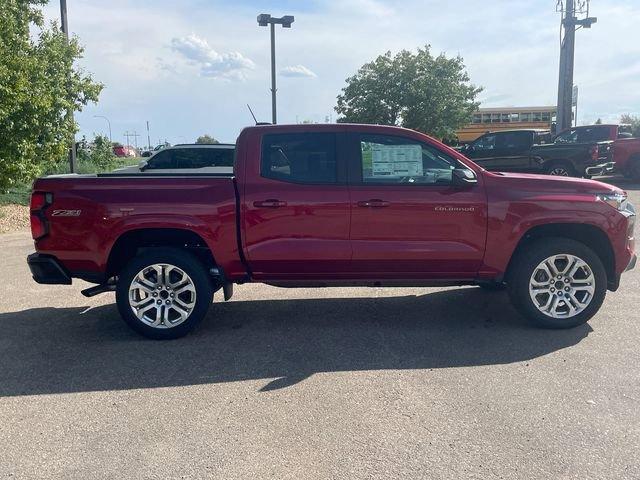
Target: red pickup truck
[[332, 205], [626, 149]]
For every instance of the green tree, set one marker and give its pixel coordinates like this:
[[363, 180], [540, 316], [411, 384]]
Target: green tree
[[633, 121], [419, 91], [38, 85], [99, 154], [206, 139], [599, 121]]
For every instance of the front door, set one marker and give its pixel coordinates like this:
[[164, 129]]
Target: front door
[[407, 218], [295, 209]]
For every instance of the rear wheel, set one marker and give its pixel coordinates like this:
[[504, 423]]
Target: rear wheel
[[561, 169], [558, 283], [164, 293]]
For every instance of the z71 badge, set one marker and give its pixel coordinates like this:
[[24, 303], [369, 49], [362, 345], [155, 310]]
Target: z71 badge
[[66, 213]]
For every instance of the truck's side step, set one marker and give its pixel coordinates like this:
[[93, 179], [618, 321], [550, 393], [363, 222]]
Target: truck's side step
[[102, 288]]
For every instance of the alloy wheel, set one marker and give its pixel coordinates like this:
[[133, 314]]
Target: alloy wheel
[[562, 286], [162, 296]]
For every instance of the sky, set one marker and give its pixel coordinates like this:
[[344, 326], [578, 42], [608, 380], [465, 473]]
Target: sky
[[190, 67]]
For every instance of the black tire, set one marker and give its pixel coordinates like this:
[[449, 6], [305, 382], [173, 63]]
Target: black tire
[[190, 265], [562, 169], [525, 263], [492, 286]]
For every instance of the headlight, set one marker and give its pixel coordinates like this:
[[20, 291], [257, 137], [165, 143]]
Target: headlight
[[616, 200]]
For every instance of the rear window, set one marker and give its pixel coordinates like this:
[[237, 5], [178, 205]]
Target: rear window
[[161, 160], [299, 157], [203, 157]]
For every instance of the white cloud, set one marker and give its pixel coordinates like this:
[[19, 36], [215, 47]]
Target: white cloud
[[517, 64], [212, 64], [297, 71]]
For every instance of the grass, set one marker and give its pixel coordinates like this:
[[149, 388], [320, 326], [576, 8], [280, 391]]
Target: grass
[[18, 195], [84, 167]]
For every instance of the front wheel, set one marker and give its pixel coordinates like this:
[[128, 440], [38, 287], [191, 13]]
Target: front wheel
[[561, 169], [557, 283], [164, 293]]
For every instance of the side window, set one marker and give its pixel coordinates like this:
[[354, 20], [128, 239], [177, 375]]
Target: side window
[[570, 136], [516, 141], [191, 158], [299, 157], [485, 143], [220, 157], [593, 134], [161, 160], [394, 160]]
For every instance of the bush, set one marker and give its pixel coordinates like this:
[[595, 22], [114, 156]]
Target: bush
[[96, 157]]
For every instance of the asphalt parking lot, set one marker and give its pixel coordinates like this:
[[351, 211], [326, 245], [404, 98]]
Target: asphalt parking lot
[[327, 383]]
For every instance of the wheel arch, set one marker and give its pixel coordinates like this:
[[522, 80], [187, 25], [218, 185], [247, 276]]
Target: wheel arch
[[589, 235], [132, 242]]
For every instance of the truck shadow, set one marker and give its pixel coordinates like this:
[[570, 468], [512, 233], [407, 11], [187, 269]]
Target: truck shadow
[[62, 350]]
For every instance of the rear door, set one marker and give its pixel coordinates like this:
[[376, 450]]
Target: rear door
[[503, 151], [407, 219], [295, 208]]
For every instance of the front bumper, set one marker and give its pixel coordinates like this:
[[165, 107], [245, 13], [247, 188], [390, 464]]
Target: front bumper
[[600, 169], [47, 270]]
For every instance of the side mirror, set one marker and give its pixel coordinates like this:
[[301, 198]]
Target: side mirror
[[463, 177], [142, 165]]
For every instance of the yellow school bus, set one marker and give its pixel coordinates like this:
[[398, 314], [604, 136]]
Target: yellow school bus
[[491, 119]]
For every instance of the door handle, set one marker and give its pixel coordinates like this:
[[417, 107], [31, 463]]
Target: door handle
[[270, 203], [374, 203]]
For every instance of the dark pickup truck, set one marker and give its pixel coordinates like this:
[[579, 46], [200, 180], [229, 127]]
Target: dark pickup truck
[[332, 205], [529, 151], [626, 149]]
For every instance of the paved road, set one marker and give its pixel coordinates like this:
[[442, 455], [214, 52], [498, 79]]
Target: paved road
[[334, 383]]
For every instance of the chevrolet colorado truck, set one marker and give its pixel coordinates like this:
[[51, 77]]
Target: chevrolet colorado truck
[[626, 149], [529, 151], [332, 205]]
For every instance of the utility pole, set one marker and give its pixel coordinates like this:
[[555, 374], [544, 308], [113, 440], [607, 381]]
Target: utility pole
[[129, 135], [64, 26], [569, 24], [148, 136]]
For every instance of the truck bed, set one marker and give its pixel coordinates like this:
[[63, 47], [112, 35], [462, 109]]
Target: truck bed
[[89, 212]]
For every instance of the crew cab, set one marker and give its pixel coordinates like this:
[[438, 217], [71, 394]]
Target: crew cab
[[530, 151], [626, 149], [332, 205]]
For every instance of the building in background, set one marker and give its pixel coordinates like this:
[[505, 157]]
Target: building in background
[[491, 119]]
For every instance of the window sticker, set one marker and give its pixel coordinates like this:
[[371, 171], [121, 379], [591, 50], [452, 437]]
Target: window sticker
[[395, 160]]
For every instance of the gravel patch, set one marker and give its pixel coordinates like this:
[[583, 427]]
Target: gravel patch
[[14, 218]]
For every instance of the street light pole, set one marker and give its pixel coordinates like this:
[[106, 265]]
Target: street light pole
[[274, 117], [64, 26], [265, 19], [108, 122]]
